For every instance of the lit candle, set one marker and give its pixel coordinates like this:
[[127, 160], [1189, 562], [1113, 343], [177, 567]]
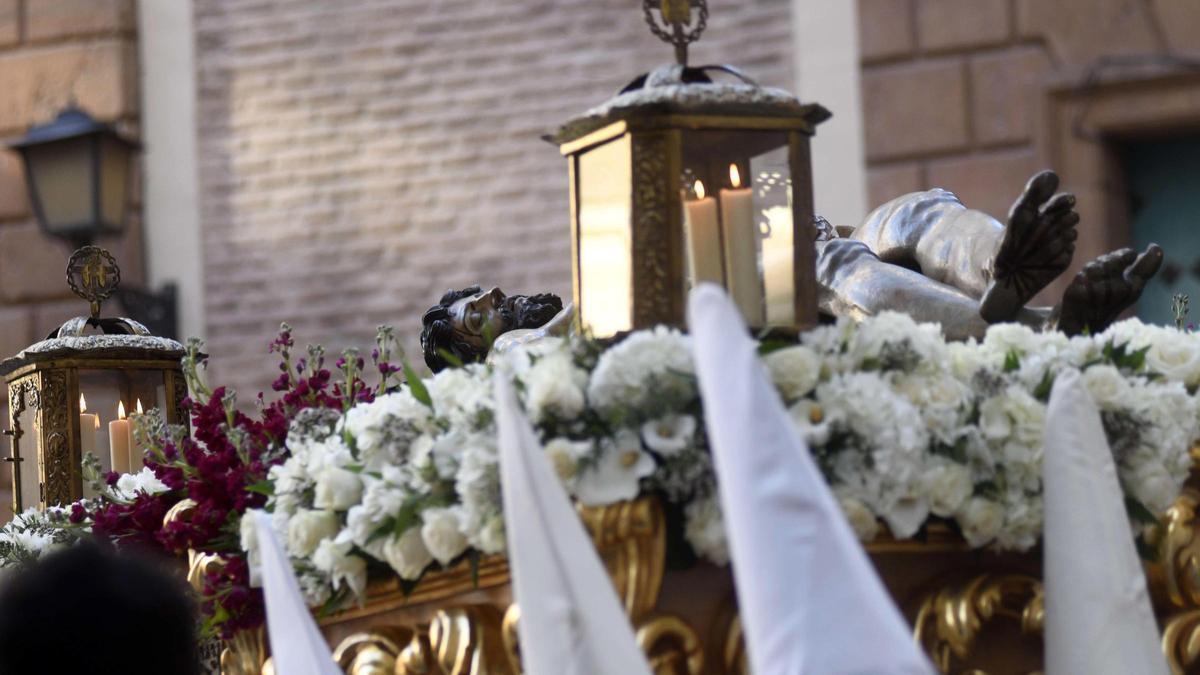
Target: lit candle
[[137, 453], [118, 440], [779, 267], [89, 424], [741, 249], [703, 237]]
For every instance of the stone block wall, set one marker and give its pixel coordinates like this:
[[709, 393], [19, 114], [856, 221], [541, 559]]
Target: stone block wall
[[953, 90], [54, 53], [358, 159]]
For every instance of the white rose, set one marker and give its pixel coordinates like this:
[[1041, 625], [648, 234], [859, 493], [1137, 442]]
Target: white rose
[[1108, 387], [704, 530], [490, 538], [669, 435], [337, 489], [948, 486], [980, 520], [307, 528], [1176, 355], [334, 559], [618, 472], [794, 370], [407, 553], [442, 535], [862, 520]]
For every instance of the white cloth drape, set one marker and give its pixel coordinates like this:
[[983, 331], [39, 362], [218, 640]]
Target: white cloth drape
[[1098, 615], [571, 620], [297, 646], [809, 599]]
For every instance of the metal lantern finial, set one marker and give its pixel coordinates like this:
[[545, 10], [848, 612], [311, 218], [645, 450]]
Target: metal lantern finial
[[93, 275], [676, 25]]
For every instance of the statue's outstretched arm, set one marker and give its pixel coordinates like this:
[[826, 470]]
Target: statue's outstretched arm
[[857, 283]]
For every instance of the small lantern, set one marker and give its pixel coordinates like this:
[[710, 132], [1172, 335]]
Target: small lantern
[[680, 180], [79, 172], [74, 392]]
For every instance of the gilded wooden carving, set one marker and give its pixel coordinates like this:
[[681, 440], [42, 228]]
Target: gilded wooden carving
[[467, 641], [657, 265], [951, 620], [60, 472], [631, 540]]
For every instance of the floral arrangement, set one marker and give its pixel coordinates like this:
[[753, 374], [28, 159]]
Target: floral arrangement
[[905, 425], [403, 478]]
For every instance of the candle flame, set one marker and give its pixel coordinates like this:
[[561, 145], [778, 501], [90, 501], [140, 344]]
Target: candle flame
[[120, 410], [734, 177], [82, 404], [699, 188], [139, 406]]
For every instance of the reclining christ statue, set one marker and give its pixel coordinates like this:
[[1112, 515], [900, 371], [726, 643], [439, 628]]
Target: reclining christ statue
[[923, 253]]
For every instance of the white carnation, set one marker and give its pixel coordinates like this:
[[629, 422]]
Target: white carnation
[[705, 530], [624, 373], [949, 486], [794, 370], [554, 386], [335, 560]]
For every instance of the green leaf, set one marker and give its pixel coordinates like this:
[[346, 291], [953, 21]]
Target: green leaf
[[1139, 512], [773, 345], [1012, 361], [988, 489], [450, 358], [262, 487], [415, 384], [1042, 391]]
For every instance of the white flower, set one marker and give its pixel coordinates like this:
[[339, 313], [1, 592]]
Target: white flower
[[441, 534], [624, 373], [554, 386], [1175, 355], [794, 370], [291, 477], [334, 559], [337, 489], [617, 473], [407, 553], [461, 395], [490, 539], [307, 528], [862, 520], [980, 520], [705, 530], [893, 334], [1108, 387], [669, 435], [130, 484], [948, 486], [564, 455], [1002, 338], [814, 424], [906, 512]]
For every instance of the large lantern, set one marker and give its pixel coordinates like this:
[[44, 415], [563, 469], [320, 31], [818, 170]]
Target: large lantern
[[76, 391], [79, 172], [681, 179]]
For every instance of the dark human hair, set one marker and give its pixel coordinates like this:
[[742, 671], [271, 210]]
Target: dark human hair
[[438, 336], [87, 610]]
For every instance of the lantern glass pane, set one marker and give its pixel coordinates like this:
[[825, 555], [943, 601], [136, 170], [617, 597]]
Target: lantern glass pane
[[62, 177], [101, 430], [26, 448], [740, 233], [605, 244], [114, 182]]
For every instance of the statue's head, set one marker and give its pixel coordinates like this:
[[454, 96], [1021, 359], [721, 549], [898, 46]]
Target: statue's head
[[465, 323]]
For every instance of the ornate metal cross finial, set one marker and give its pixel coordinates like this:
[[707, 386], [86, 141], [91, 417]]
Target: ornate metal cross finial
[[676, 25], [93, 275]]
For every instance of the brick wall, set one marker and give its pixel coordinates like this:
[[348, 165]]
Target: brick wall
[[952, 89], [357, 159], [53, 53]]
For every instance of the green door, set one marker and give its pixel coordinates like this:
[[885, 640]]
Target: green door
[[1164, 188]]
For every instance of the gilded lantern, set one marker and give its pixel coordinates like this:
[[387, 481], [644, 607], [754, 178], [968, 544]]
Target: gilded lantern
[[691, 175], [80, 390]]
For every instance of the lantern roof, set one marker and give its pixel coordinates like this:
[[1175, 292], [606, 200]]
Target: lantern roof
[[70, 123], [93, 275], [677, 90]]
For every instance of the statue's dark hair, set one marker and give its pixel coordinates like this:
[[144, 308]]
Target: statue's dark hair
[[517, 311], [438, 337]]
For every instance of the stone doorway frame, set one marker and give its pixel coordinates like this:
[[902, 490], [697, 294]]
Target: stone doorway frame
[[1080, 129]]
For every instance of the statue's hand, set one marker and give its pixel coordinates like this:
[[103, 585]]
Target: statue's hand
[[1105, 287], [1038, 243]]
